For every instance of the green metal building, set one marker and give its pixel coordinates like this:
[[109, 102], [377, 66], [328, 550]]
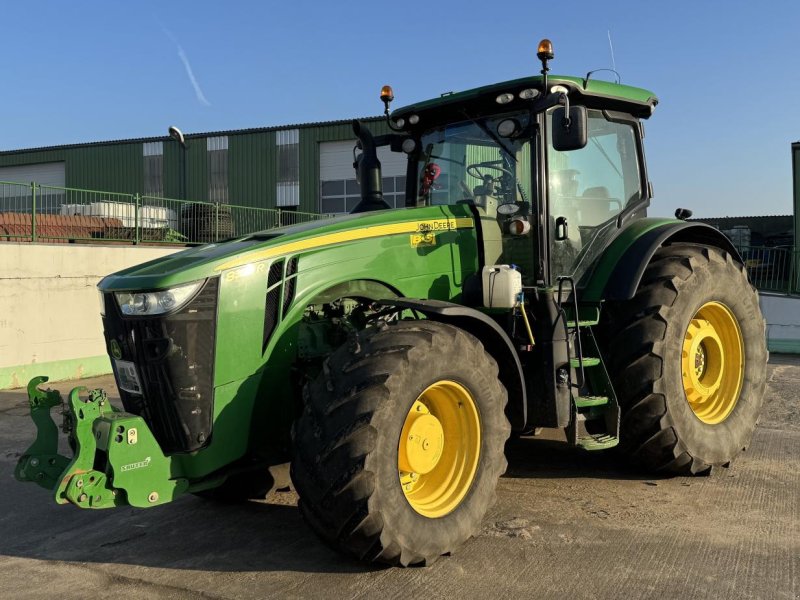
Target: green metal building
[[306, 167], [796, 188]]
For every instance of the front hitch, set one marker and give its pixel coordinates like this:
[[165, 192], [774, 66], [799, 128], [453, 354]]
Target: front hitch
[[116, 458]]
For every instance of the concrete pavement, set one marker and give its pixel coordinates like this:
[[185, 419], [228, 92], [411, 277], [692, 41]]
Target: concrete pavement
[[567, 524]]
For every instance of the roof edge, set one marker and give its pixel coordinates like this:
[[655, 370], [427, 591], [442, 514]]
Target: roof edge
[[206, 134]]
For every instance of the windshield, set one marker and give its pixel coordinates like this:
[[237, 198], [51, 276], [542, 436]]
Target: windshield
[[485, 161]]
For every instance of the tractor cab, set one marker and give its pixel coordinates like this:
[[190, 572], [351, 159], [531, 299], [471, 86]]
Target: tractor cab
[[552, 169], [553, 166]]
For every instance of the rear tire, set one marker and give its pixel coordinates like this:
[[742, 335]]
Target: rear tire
[[667, 424], [347, 443]]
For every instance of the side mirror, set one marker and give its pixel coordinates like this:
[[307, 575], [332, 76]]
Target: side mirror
[[569, 132]]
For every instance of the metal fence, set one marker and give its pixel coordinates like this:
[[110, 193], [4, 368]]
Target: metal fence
[[773, 269], [34, 212]]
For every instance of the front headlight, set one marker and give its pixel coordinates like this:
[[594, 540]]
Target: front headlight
[[137, 304]]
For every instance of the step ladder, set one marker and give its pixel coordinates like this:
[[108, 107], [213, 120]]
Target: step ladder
[[594, 422]]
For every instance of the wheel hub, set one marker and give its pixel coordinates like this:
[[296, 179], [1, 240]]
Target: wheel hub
[[422, 441], [712, 362], [439, 449]]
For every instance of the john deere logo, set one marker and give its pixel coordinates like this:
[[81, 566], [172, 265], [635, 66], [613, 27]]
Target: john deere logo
[[116, 351]]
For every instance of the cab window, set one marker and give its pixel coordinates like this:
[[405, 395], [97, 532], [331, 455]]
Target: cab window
[[588, 188]]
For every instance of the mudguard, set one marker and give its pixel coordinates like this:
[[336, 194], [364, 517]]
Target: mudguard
[[494, 340], [619, 270]]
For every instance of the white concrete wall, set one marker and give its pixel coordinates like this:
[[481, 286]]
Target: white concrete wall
[[783, 322], [49, 305]]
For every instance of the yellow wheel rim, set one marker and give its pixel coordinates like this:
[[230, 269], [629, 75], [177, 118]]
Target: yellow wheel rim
[[712, 362], [439, 449]]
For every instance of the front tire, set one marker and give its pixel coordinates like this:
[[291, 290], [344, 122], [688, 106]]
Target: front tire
[[687, 357], [400, 444]]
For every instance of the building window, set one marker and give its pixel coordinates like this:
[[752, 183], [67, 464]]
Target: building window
[[217, 150], [288, 182], [342, 196], [153, 153]]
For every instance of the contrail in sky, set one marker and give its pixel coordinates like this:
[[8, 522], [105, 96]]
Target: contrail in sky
[[201, 97]]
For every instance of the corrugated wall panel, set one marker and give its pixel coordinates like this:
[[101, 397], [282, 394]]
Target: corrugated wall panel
[[113, 167], [252, 169], [26, 158], [796, 186], [197, 169], [172, 169], [252, 165]]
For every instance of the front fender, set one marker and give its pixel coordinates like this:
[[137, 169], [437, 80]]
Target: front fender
[[495, 341], [619, 270]]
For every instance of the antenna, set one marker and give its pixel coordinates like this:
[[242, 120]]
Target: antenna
[[613, 64], [611, 47]]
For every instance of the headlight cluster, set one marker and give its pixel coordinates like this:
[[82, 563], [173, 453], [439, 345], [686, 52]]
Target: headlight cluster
[[156, 303]]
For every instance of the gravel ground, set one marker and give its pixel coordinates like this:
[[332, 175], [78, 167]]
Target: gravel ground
[[567, 524]]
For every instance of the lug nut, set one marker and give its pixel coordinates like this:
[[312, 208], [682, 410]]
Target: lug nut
[[34, 462], [153, 497], [82, 498]]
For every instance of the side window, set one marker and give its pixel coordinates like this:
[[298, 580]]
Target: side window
[[597, 182]]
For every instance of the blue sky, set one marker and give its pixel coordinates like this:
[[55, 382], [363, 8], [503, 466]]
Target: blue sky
[[727, 74]]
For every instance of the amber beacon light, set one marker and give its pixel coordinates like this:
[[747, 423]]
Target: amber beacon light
[[545, 50]]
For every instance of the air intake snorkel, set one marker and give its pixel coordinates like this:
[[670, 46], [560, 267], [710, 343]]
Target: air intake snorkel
[[368, 172]]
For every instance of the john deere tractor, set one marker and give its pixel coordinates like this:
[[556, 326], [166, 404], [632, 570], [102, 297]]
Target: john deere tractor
[[390, 353]]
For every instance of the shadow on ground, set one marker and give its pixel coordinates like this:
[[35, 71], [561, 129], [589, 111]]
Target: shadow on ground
[[190, 533], [198, 534]]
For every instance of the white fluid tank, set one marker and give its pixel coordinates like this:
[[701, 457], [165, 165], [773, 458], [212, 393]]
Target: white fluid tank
[[502, 285]]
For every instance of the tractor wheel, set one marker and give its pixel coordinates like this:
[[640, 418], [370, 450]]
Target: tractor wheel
[[400, 444], [687, 358]]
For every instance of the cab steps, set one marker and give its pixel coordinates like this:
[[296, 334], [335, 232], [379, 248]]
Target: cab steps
[[594, 424]]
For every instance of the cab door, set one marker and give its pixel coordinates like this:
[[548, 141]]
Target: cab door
[[587, 190]]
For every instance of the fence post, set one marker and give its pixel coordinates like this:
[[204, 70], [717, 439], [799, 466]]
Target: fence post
[[280, 219], [136, 205], [33, 211], [216, 221]]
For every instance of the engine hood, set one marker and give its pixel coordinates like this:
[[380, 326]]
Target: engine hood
[[213, 259]]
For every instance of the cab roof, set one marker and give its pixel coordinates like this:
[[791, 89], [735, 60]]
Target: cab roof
[[593, 93]]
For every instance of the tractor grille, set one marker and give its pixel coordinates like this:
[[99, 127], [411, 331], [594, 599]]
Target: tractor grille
[[174, 358], [280, 286], [272, 302]]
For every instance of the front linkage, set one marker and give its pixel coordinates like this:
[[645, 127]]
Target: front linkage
[[116, 460]]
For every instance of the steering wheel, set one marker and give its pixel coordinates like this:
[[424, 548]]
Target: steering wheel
[[475, 171]]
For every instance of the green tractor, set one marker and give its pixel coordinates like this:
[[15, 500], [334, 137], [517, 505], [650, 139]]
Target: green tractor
[[388, 355]]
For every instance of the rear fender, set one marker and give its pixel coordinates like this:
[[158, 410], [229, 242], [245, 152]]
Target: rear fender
[[620, 269]]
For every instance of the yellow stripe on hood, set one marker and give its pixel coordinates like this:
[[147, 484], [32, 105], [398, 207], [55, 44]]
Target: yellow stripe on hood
[[339, 237]]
